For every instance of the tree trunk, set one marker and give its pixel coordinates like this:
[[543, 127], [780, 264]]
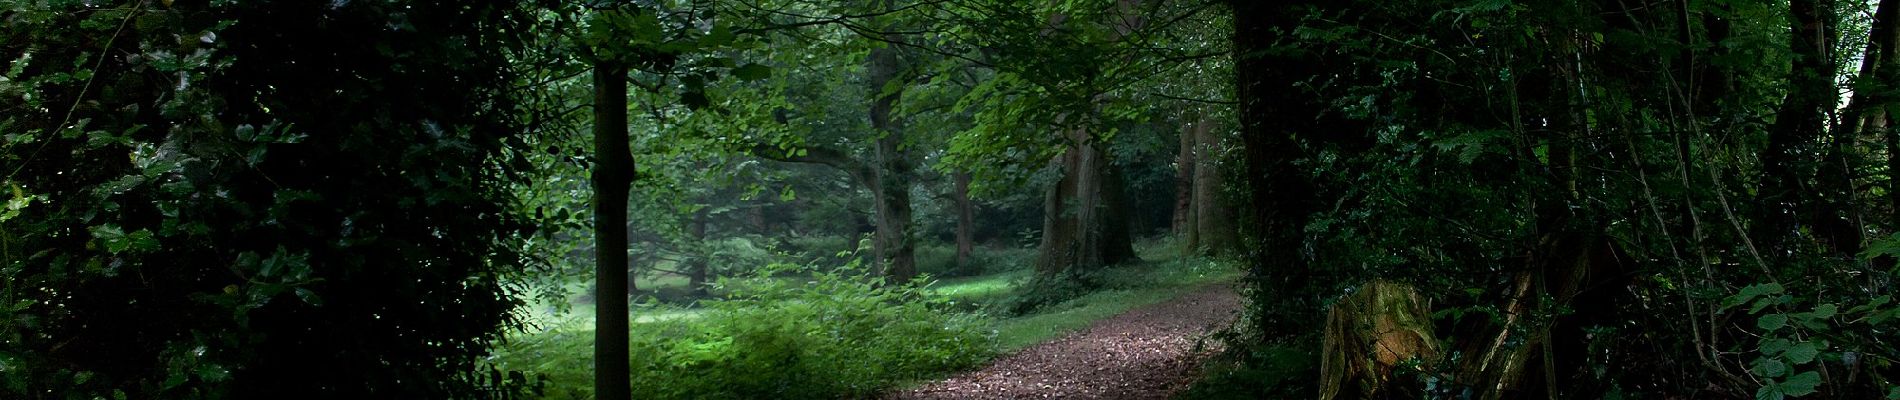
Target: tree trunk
[[1057, 251], [696, 268], [1867, 106], [1117, 242], [1184, 186], [758, 220], [1880, 72], [613, 177], [891, 191], [966, 220], [1085, 221], [1800, 124], [1280, 197], [1214, 222]]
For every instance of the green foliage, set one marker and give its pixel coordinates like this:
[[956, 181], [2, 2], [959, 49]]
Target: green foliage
[[1115, 290], [1795, 338], [1043, 291], [1586, 175], [823, 335], [1281, 371], [256, 199], [940, 260]]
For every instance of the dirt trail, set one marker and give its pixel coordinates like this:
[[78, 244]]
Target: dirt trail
[[1144, 353]]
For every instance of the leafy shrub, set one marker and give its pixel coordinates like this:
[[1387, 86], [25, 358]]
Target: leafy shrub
[[819, 249], [198, 207], [734, 255], [1044, 291], [941, 260], [1283, 371], [834, 334]]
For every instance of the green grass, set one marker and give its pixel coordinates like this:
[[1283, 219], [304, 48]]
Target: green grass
[[1002, 280], [1124, 288], [982, 289]]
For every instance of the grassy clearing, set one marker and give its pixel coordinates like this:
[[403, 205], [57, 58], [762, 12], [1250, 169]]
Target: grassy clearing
[[1123, 289], [992, 295]]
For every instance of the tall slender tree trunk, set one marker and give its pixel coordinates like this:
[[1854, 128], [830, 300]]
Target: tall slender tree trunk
[[1184, 185], [613, 177], [697, 266], [891, 191], [966, 220]]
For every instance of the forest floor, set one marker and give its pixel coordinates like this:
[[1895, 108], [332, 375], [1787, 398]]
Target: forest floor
[[1146, 353]]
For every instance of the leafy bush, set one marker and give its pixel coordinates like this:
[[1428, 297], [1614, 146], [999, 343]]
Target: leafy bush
[[1043, 291], [1283, 371], [819, 248], [247, 200], [835, 334], [941, 260]]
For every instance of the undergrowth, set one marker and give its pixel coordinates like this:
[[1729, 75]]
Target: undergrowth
[[789, 332], [835, 335]]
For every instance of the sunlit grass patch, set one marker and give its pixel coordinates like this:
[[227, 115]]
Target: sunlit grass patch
[[982, 288], [1124, 288]]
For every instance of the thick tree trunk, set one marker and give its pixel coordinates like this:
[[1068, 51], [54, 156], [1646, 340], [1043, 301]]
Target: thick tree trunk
[[1800, 125], [613, 177], [1085, 222], [891, 191], [1213, 220], [1057, 252], [1281, 197], [1880, 70], [1117, 241], [966, 220]]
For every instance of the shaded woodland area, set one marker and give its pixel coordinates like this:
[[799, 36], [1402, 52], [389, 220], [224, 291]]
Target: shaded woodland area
[[1459, 199]]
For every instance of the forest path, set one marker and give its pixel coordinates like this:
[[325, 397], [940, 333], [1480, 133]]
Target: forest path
[[1145, 353]]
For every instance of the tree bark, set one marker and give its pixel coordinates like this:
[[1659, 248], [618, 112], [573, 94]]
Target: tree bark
[[1881, 68], [891, 191], [696, 267], [1057, 252], [966, 220], [1280, 196], [1867, 108], [1085, 221], [1184, 186], [1214, 223], [758, 219], [613, 177], [1800, 125]]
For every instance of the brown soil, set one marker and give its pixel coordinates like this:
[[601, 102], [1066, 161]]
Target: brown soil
[[1145, 353]]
